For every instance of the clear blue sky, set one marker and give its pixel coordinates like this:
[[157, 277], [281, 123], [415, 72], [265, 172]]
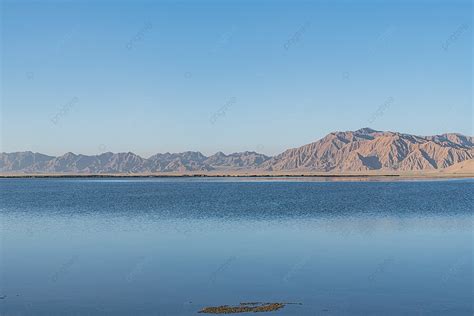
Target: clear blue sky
[[159, 76]]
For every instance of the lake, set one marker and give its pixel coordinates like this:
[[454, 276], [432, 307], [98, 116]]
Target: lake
[[174, 246]]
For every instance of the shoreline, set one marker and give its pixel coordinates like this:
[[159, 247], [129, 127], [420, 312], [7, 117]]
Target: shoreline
[[433, 175]]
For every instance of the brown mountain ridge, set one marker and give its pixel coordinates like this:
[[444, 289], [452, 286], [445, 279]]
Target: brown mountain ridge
[[351, 151]]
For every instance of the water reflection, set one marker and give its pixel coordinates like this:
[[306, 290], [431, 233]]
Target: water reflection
[[173, 247]]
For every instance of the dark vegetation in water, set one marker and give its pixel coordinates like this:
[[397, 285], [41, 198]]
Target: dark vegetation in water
[[245, 307]]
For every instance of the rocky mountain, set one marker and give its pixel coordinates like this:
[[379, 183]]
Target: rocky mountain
[[247, 160], [181, 162], [361, 150], [368, 149], [29, 162], [22, 160]]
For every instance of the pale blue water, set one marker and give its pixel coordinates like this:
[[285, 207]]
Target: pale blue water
[[173, 246]]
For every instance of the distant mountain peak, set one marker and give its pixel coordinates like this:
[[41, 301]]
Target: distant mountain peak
[[366, 130], [69, 154]]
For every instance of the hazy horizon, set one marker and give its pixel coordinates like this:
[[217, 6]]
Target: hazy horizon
[[171, 77], [260, 148]]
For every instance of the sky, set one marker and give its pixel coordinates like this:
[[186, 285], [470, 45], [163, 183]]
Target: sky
[[172, 76]]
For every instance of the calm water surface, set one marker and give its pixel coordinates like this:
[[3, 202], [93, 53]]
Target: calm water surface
[[173, 246]]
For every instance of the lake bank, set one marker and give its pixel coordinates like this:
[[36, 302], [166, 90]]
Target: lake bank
[[249, 174]]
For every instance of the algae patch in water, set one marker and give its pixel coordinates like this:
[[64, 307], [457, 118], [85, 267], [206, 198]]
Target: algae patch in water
[[244, 308]]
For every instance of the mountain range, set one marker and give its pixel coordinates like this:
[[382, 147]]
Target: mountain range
[[351, 151]]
